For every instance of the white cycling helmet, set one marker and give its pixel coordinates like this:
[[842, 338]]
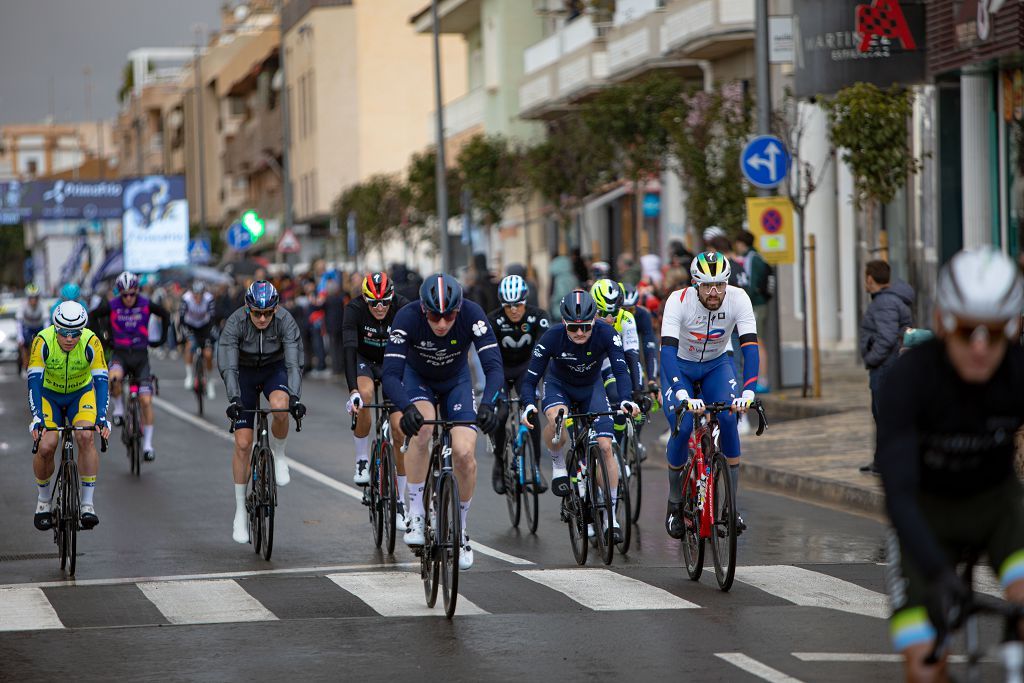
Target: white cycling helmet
[[125, 281], [710, 267], [70, 315], [981, 284], [711, 232], [513, 290]]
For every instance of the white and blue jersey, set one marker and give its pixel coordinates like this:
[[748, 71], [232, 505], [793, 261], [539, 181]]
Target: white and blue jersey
[[421, 366]]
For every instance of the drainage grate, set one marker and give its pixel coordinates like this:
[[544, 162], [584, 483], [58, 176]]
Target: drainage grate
[[33, 556]]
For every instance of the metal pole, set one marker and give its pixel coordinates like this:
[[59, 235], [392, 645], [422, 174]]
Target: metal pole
[[286, 125], [200, 147], [814, 316], [441, 177]]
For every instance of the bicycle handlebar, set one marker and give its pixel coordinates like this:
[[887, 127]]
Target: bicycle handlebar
[[448, 424], [93, 428], [977, 603], [562, 417], [722, 407]]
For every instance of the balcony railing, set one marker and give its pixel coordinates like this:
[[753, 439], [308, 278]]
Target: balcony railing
[[700, 21], [260, 135], [462, 114], [569, 38]]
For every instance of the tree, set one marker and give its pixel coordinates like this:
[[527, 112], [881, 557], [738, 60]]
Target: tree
[[380, 205], [422, 191], [487, 167], [628, 116], [707, 132]]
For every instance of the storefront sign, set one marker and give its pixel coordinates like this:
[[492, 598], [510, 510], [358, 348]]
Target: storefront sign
[[970, 32], [841, 42]]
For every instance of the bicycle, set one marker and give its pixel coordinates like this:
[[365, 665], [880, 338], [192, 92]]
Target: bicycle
[[589, 500], [629, 477], [199, 375], [632, 454], [520, 471], [381, 495], [65, 500], [131, 428], [442, 527], [1011, 649], [261, 488], [710, 512]]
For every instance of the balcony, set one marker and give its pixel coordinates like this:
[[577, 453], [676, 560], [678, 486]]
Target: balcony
[[461, 114], [246, 151], [708, 29], [562, 68], [632, 46]]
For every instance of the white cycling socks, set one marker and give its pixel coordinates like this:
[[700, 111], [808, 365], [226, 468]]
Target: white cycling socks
[[44, 490], [402, 486], [88, 488], [463, 509], [362, 448], [558, 459], [277, 445], [118, 403], [147, 437], [416, 499], [239, 497]]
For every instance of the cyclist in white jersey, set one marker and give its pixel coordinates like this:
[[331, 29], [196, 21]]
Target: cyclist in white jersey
[[32, 317], [696, 330], [197, 307]]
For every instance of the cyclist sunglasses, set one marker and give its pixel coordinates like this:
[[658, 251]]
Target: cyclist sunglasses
[[377, 303], [267, 313], [133, 292], [991, 334], [516, 304], [69, 334], [579, 327], [437, 317]]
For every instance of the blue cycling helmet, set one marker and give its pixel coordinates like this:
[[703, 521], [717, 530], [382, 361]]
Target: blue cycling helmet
[[513, 290], [70, 292], [578, 307], [630, 295], [261, 295], [441, 293]]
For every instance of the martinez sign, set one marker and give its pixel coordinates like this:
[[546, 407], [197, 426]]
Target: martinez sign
[[840, 42]]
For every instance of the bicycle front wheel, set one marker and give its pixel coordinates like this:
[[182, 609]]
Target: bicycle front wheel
[[723, 524], [268, 501], [388, 495], [373, 495], [529, 496], [623, 511], [574, 513], [449, 541], [135, 437], [429, 566], [693, 544], [634, 482], [601, 505], [511, 475]]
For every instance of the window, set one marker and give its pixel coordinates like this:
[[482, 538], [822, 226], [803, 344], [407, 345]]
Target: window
[[312, 101]]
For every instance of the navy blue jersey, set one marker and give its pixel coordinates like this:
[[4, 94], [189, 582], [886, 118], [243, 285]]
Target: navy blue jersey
[[648, 342], [576, 365], [439, 359]]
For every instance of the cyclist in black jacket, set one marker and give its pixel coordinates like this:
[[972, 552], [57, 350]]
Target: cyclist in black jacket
[[517, 326]]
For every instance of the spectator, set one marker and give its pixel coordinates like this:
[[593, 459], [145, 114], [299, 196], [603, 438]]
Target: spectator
[[628, 270], [579, 269], [482, 289], [757, 283], [881, 329], [334, 309], [563, 281]]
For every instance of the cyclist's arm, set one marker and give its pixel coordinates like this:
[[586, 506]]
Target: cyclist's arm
[[746, 328], [98, 315], [650, 343], [293, 355], [165, 322], [100, 379], [36, 368], [620, 369], [490, 359], [896, 452], [538, 364], [349, 343], [227, 356], [395, 358]]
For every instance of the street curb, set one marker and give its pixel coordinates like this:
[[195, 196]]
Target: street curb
[[816, 489]]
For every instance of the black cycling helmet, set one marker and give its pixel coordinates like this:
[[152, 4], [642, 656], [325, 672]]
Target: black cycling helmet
[[441, 293], [578, 307]]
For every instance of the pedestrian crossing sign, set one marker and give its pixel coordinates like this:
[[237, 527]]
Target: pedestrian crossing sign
[[771, 222]]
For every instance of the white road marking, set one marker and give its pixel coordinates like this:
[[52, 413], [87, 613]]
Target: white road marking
[[26, 609], [858, 657], [813, 589], [215, 575], [756, 668], [398, 594], [604, 590], [205, 602], [316, 475]]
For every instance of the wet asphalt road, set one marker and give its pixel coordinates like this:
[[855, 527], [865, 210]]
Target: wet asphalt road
[[162, 593]]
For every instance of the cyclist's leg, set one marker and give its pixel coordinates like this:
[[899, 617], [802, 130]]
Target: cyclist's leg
[[143, 375], [604, 427], [116, 373], [1006, 546], [42, 462], [397, 440], [458, 402], [275, 388], [248, 380], [82, 413], [612, 393], [416, 458], [361, 434], [534, 436], [556, 399], [190, 346], [719, 382]]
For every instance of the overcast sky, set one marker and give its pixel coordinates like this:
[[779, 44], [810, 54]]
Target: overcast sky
[[44, 39]]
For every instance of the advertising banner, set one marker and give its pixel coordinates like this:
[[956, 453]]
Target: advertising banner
[[155, 223]]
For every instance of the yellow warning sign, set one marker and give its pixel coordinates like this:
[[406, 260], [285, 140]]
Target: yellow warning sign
[[771, 221]]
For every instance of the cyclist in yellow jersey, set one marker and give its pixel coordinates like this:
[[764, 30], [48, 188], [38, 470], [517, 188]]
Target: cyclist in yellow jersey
[[67, 382]]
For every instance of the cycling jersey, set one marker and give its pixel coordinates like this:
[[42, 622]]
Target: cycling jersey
[[197, 312], [363, 337], [625, 325], [130, 325], [576, 365], [516, 340], [440, 361], [243, 346], [52, 371], [649, 343], [31, 320]]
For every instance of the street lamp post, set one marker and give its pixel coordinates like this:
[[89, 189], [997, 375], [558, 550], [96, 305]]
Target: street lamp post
[[286, 181], [441, 179], [200, 29]]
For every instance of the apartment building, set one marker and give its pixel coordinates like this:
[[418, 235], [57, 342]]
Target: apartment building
[[38, 150]]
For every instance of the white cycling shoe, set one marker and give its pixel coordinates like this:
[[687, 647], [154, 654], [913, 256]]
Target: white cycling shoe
[[465, 554], [281, 472], [401, 521], [211, 390], [362, 475], [414, 534], [187, 384], [240, 529]]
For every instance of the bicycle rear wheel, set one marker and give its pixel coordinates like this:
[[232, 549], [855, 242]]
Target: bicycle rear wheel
[[449, 541], [634, 482], [723, 527], [623, 511], [268, 501], [529, 496], [601, 504], [512, 494], [388, 495], [373, 495], [693, 544], [573, 512]]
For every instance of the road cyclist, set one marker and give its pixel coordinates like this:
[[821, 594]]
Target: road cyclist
[[197, 322], [31, 318]]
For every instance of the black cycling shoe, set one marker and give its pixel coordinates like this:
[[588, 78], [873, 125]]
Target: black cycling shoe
[[149, 456], [89, 519], [741, 526], [539, 485], [674, 523], [614, 535], [117, 420], [43, 520], [560, 486], [498, 476]]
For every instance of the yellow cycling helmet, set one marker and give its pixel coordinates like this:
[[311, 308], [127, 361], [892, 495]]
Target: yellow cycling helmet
[[607, 296]]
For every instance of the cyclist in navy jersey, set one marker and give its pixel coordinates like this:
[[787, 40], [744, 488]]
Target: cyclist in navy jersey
[[645, 328], [572, 353], [425, 363]]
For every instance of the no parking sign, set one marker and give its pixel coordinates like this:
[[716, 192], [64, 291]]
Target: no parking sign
[[771, 221]]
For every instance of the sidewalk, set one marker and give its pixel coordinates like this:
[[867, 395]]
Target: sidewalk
[[813, 448]]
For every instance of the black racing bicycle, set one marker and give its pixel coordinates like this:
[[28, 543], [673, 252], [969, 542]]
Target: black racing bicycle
[[261, 488], [65, 499], [589, 501], [199, 378], [381, 495], [131, 428], [442, 527], [520, 472]]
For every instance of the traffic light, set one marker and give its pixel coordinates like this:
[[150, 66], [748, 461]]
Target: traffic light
[[252, 222]]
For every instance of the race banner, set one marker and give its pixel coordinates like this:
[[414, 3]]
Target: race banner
[[155, 223]]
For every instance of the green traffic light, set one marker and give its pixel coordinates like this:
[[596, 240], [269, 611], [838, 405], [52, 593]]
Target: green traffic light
[[252, 222]]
